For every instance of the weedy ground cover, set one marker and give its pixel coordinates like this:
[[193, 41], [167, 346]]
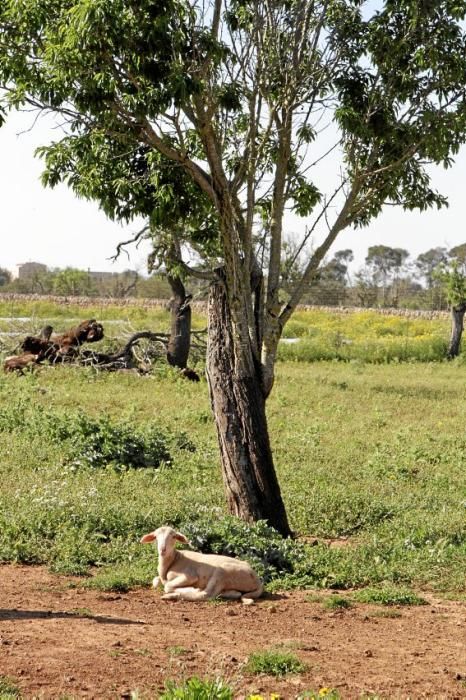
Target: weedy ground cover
[[372, 456], [18, 319], [366, 336], [197, 689], [274, 662], [8, 689]]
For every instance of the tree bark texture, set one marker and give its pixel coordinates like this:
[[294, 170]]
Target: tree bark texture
[[180, 333], [457, 324], [238, 405]]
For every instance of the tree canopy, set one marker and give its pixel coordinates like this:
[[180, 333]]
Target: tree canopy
[[210, 115], [220, 114]]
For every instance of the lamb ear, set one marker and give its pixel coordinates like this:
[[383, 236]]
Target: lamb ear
[[181, 538], [150, 537]]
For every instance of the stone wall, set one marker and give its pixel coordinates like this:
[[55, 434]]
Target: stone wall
[[201, 306]]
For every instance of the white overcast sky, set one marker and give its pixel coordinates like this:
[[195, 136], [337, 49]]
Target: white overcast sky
[[55, 228]]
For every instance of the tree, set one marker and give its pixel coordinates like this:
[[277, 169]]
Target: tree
[[426, 264], [385, 264], [458, 254], [453, 277], [366, 288], [226, 98], [331, 285], [5, 276], [453, 280], [71, 281]]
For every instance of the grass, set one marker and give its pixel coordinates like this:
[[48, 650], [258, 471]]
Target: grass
[[393, 482], [135, 316], [385, 594], [8, 689], [198, 689], [274, 662], [388, 595], [371, 453], [365, 336], [337, 602], [204, 689], [177, 650]]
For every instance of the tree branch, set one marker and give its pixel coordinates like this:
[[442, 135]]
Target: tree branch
[[342, 221]]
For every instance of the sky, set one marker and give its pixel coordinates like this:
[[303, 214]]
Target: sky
[[56, 228], [52, 226]]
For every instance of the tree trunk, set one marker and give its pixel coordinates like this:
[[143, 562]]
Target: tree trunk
[[180, 333], [457, 319], [238, 405]]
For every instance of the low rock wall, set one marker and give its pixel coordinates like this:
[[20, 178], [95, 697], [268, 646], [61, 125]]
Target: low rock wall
[[201, 306]]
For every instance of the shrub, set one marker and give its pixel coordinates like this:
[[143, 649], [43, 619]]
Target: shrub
[[99, 442], [89, 441], [270, 554]]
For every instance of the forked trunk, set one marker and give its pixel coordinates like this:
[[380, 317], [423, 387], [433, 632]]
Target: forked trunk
[[238, 405], [180, 333], [457, 324]]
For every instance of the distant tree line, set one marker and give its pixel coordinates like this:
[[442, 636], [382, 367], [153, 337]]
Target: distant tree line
[[390, 277], [74, 282]]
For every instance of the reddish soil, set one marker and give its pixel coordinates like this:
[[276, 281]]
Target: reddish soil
[[59, 641]]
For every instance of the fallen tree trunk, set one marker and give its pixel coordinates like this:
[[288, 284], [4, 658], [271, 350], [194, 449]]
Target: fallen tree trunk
[[67, 347], [58, 348]]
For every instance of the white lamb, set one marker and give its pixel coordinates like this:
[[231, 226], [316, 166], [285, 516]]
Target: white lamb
[[195, 576]]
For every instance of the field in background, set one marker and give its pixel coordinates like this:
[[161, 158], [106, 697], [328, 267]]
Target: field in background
[[310, 336], [371, 459], [368, 336]]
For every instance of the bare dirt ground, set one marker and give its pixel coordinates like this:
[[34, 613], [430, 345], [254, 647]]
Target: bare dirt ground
[[58, 641]]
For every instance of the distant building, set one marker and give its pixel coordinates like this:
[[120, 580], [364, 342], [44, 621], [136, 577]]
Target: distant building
[[27, 270], [102, 276]]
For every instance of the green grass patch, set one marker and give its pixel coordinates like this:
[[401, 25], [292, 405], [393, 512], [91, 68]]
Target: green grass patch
[[177, 650], [337, 602], [274, 662], [388, 595], [197, 689], [365, 336], [124, 577], [370, 455], [62, 316], [92, 442], [8, 689]]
